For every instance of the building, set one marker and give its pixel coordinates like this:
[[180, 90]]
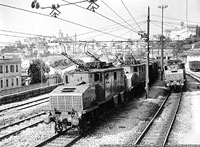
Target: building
[[10, 73], [182, 32]]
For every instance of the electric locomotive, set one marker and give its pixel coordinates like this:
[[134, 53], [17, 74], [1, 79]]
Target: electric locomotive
[[93, 89], [174, 74], [87, 91]]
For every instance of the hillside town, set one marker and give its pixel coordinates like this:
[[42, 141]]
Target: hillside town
[[17, 57]]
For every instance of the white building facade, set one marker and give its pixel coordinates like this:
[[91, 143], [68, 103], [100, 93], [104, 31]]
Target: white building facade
[[10, 73]]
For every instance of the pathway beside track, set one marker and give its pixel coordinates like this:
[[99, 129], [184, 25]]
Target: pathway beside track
[[158, 129]]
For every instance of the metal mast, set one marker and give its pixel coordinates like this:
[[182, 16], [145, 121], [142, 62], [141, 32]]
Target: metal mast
[[147, 62], [162, 7]]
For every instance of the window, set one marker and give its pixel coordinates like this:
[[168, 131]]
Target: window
[[17, 68], [115, 75], [1, 83], [6, 68], [1, 69], [6, 82], [11, 68], [66, 79], [17, 81], [135, 69], [97, 77], [12, 82], [107, 76]]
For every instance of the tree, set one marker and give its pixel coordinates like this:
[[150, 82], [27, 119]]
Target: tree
[[37, 69]]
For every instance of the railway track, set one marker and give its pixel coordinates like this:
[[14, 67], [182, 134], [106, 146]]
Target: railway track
[[64, 139], [21, 121], [24, 105], [158, 129], [4, 135]]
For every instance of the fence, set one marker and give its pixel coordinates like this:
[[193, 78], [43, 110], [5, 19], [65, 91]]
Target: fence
[[29, 87]]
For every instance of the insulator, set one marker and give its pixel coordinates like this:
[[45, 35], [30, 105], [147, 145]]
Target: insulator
[[33, 4], [53, 6], [37, 5]]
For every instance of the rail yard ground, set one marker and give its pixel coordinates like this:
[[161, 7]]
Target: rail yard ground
[[125, 125]]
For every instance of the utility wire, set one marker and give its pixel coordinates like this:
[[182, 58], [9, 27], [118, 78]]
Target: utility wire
[[13, 36], [122, 35], [103, 16], [130, 14], [159, 26], [117, 29], [51, 36], [175, 19], [165, 29], [65, 4], [118, 15], [144, 22], [77, 24], [166, 22], [103, 28], [23, 33]]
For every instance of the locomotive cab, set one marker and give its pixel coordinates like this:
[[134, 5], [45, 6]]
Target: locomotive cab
[[83, 91]]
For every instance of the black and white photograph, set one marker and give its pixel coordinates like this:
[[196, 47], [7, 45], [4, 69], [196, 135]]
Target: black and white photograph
[[99, 73]]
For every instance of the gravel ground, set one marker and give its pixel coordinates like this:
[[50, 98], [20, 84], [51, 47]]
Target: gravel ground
[[16, 116], [29, 137], [186, 127], [121, 127], [125, 125]]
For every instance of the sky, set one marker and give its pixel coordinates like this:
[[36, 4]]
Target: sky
[[75, 20]]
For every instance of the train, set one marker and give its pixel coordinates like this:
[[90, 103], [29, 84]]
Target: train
[[194, 66], [92, 90], [174, 74], [193, 57]]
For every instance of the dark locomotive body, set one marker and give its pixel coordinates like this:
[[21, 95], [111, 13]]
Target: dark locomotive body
[[84, 93], [90, 92]]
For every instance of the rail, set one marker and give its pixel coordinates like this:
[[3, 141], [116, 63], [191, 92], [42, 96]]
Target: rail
[[171, 121]]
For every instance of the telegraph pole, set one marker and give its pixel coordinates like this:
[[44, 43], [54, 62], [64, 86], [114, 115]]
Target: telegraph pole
[[162, 7], [147, 62]]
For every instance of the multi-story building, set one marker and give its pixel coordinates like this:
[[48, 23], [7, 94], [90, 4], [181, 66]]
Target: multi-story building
[[10, 73]]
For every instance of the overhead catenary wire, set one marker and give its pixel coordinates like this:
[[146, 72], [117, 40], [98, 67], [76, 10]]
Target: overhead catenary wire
[[176, 19], [126, 32], [118, 15], [166, 24], [13, 36], [103, 16], [23, 33], [32, 35], [131, 15], [117, 29], [104, 28], [77, 24], [45, 36], [66, 4]]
